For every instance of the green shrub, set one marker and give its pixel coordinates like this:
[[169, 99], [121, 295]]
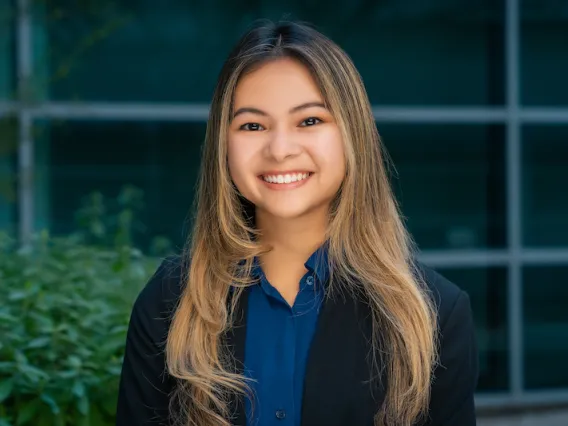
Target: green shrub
[[65, 304], [64, 310]]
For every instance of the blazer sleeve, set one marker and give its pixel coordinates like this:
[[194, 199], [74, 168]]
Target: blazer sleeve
[[455, 378], [143, 397]]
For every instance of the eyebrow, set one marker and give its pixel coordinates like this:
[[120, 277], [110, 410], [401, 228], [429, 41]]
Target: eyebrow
[[292, 110]]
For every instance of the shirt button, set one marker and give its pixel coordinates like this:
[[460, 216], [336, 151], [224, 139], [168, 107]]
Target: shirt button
[[310, 280], [280, 414]]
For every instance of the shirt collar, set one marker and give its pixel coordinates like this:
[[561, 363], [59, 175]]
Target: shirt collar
[[317, 263]]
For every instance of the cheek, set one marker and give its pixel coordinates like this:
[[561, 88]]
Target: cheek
[[239, 162], [331, 154]]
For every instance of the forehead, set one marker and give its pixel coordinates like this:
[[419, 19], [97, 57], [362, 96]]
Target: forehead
[[282, 82]]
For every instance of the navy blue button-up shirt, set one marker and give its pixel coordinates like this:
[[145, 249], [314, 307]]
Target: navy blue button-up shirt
[[277, 344]]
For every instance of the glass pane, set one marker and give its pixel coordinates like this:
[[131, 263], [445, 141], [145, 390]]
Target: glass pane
[[544, 63], [82, 157], [545, 173], [546, 326], [487, 289], [172, 51], [451, 183], [8, 180], [7, 50]]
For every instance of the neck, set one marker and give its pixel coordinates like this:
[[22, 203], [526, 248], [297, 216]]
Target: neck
[[292, 242], [297, 238]]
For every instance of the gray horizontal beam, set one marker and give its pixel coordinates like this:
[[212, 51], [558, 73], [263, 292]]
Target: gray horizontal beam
[[484, 258], [545, 256], [122, 111], [200, 112], [544, 115], [8, 108], [464, 258], [528, 399], [440, 115]]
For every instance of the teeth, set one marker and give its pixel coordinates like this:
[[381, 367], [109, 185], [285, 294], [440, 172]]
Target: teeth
[[287, 178]]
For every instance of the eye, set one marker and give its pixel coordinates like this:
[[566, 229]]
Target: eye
[[311, 121], [251, 127]]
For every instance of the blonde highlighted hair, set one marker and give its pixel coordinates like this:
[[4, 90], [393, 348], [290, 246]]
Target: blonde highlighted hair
[[368, 244]]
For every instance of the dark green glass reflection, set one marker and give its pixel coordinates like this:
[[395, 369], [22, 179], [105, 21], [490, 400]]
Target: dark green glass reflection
[[487, 289], [545, 327]]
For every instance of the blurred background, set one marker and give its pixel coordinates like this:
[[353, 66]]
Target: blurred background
[[103, 108]]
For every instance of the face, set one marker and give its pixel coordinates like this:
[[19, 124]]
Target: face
[[285, 150]]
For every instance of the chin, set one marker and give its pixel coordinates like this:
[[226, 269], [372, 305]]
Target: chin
[[291, 210]]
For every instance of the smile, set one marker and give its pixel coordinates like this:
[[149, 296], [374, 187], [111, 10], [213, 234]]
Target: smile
[[287, 178]]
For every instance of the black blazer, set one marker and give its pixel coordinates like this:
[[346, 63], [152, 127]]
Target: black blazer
[[337, 389]]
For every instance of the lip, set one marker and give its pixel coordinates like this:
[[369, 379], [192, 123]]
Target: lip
[[285, 186], [284, 172]]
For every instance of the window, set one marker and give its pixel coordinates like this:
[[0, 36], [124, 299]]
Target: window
[[450, 183], [160, 158], [545, 161], [544, 63], [103, 58], [8, 189], [7, 68], [487, 290], [546, 326], [407, 52]]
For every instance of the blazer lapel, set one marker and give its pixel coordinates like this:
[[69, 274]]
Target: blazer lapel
[[338, 389], [235, 339]]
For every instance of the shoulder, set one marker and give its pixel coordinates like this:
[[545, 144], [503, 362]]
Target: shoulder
[[145, 383], [455, 377], [447, 296], [159, 297]]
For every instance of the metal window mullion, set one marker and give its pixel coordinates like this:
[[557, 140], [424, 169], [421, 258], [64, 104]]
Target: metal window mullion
[[199, 112], [514, 202], [545, 257], [191, 112], [449, 258], [7, 108], [548, 115], [529, 399], [25, 177], [25, 139], [484, 258]]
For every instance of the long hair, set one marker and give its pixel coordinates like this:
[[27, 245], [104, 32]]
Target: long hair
[[370, 252]]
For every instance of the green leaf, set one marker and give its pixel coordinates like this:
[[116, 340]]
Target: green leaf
[[20, 357], [114, 370], [40, 342], [78, 389], [28, 411], [83, 405], [67, 374], [51, 402], [6, 387], [17, 295], [32, 373], [74, 361], [6, 317], [4, 422]]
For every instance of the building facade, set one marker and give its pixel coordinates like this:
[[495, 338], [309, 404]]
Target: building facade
[[470, 98]]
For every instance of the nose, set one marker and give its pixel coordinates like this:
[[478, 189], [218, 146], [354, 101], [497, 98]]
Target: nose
[[282, 144]]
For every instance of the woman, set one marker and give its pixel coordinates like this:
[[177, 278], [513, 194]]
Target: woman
[[299, 301]]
